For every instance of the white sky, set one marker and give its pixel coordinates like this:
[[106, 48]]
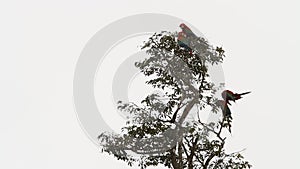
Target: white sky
[[42, 40]]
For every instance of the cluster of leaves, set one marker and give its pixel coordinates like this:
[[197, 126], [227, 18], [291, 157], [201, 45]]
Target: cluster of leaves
[[157, 130]]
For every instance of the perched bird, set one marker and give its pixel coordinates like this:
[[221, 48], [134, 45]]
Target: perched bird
[[183, 41], [187, 30], [228, 95], [224, 107]]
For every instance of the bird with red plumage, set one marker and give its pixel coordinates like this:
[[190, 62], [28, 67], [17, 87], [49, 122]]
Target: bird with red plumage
[[187, 30], [183, 41], [228, 95]]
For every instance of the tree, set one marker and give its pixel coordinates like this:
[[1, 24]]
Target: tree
[[158, 131]]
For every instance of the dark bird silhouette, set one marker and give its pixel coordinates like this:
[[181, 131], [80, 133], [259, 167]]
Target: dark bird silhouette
[[228, 95], [224, 107], [227, 118]]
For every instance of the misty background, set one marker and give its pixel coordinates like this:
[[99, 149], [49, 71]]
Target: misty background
[[42, 40]]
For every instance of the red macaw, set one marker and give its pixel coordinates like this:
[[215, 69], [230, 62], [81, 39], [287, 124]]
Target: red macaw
[[183, 41], [228, 95], [187, 30], [224, 107]]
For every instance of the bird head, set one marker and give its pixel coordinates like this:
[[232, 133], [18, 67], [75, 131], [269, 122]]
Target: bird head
[[182, 26], [225, 93]]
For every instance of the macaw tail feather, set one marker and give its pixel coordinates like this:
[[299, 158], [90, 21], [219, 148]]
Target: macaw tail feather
[[244, 93]]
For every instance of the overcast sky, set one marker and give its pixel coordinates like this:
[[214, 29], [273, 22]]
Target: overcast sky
[[42, 40]]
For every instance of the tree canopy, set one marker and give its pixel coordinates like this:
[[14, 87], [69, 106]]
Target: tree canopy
[[158, 132]]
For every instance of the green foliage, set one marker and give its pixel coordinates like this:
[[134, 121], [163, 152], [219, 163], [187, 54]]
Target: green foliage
[[157, 130]]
